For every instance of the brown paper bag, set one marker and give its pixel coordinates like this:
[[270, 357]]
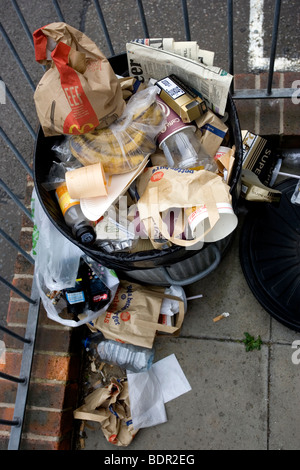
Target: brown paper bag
[[110, 407], [80, 91], [134, 313], [169, 188]]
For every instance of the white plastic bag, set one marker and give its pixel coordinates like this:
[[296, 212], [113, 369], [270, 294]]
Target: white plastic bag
[[56, 266], [56, 258]]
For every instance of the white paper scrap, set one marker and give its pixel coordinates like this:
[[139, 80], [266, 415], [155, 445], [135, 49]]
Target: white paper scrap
[[149, 391], [172, 380], [146, 399]]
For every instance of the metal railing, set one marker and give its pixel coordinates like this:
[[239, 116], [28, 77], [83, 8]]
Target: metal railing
[[29, 339]]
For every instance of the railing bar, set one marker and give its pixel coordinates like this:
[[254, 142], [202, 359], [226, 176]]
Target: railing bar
[[17, 246], [12, 378], [22, 21], [26, 366], [16, 56], [16, 152], [15, 335], [143, 18], [19, 111], [17, 291], [58, 10], [230, 41], [186, 20], [104, 27], [274, 44], [263, 93], [15, 199], [7, 422]]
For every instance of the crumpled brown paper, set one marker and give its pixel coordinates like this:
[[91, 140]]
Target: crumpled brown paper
[[80, 91], [110, 407]]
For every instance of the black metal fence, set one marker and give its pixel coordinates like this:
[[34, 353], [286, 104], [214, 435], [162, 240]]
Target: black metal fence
[[28, 340]]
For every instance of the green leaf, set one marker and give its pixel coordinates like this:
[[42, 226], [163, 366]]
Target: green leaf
[[251, 343]]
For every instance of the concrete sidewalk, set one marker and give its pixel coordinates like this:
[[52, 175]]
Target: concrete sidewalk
[[239, 400]]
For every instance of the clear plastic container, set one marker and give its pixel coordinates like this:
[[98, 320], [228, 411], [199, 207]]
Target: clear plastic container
[[183, 150]]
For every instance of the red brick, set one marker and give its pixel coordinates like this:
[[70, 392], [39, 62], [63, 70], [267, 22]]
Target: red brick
[[4, 442], [11, 342], [8, 414], [23, 266], [18, 312], [53, 395], [53, 340], [25, 240], [54, 367], [12, 363], [24, 285], [48, 423], [38, 444], [8, 391]]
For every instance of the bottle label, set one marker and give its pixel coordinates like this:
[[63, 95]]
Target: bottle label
[[64, 199]]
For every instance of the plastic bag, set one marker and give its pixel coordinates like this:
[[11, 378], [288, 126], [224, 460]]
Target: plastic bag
[[57, 262], [123, 145]]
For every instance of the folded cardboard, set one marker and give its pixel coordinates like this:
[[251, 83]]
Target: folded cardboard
[[258, 156]]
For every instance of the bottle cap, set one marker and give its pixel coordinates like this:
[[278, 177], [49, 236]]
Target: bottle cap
[[86, 235]]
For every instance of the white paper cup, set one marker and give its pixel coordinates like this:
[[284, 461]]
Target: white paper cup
[[199, 222], [86, 181]]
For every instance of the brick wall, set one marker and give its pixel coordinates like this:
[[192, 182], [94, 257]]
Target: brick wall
[[54, 385]]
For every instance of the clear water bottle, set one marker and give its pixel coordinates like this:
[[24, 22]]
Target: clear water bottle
[[126, 356], [181, 147], [74, 217]]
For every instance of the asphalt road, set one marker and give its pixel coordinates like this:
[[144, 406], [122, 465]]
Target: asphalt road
[[252, 25]]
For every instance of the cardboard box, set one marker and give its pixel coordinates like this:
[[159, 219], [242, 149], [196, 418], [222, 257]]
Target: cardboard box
[[258, 156], [179, 97]]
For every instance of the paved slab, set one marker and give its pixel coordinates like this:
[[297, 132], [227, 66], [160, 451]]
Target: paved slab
[[239, 400]]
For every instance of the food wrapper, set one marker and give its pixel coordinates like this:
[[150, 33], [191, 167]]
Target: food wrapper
[[124, 145], [80, 91]]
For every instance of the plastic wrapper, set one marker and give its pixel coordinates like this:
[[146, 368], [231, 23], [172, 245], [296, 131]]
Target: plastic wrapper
[[115, 234], [123, 145]]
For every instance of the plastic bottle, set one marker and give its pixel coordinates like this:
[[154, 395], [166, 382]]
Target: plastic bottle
[[74, 217], [126, 356], [181, 147]]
